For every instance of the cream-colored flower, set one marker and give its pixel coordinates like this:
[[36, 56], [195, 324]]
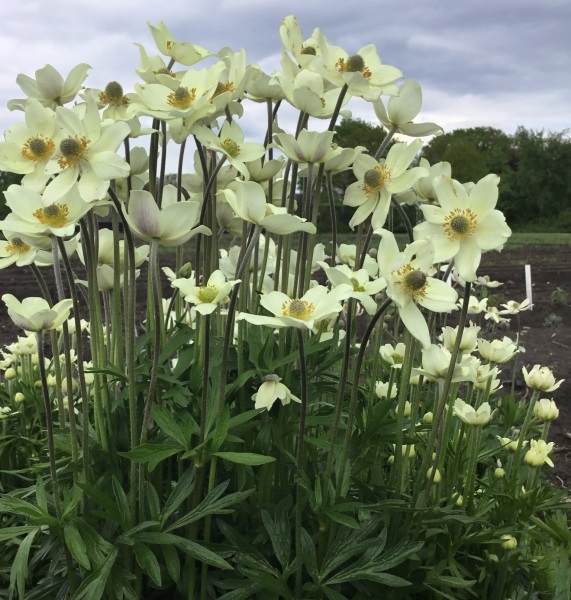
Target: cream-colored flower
[[248, 201], [469, 338], [424, 187], [546, 410], [18, 249], [208, 297], [271, 390], [513, 308], [382, 390], [393, 355], [509, 444], [347, 255], [183, 52], [464, 225], [171, 225], [436, 362], [314, 306], [483, 375], [541, 378], [409, 283], [35, 314], [378, 180], [49, 87], [309, 146], [471, 416], [538, 453], [497, 351], [402, 109]]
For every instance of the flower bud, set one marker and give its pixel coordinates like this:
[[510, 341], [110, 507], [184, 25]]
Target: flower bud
[[508, 542], [428, 418], [382, 390], [19, 397], [499, 473], [546, 410], [10, 373], [437, 475]]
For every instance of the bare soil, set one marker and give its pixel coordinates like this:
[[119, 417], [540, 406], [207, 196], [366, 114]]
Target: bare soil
[[546, 329]]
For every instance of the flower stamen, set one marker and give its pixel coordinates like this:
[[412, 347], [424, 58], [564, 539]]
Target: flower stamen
[[113, 94], [182, 98], [374, 179], [460, 224], [54, 216], [413, 281], [297, 309], [231, 147], [16, 246], [207, 294], [72, 150], [354, 64], [38, 148]]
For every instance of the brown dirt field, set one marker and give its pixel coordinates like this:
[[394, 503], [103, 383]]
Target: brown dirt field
[[546, 328]]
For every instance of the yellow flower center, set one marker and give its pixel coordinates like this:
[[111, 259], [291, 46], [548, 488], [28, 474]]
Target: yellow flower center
[[231, 147], [297, 309], [182, 98], [374, 179], [397, 358], [357, 287], [113, 94], [221, 88], [207, 294], [54, 215], [16, 245], [413, 281], [460, 224], [38, 148], [354, 64], [72, 150]]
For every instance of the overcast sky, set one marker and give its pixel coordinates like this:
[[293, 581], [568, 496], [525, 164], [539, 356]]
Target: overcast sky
[[499, 63]]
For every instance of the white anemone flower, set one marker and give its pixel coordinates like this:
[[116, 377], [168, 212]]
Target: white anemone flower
[[171, 225], [183, 52], [497, 351], [538, 453], [88, 152], [271, 390], [309, 146], [511, 307], [436, 362], [409, 284], [393, 355], [471, 416], [35, 314], [206, 298], [402, 109], [541, 378], [314, 306], [464, 225], [248, 201], [18, 249], [49, 87], [377, 181]]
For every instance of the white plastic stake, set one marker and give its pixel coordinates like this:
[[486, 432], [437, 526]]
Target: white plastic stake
[[528, 284]]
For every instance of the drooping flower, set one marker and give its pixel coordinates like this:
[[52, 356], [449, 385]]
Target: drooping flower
[[171, 225], [271, 390], [378, 180], [35, 314], [464, 225], [410, 285]]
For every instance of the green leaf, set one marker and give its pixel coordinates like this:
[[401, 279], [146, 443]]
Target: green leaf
[[112, 510], [41, 497], [179, 494], [19, 570], [212, 504], [9, 533], [93, 587], [221, 430], [122, 500], [148, 562], [17, 506], [245, 458], [76, 545], [279, 532], [163, 418], [172, 561], [151, 453]]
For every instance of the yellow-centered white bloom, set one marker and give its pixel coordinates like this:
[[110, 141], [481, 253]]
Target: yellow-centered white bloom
[[271, 390], [87, 151], [314, 306], [18, 249], [464, 225], [409, 283], [497, 351], [208, 297], [363, 287], [538, 453], [393, 355], [35, 314], [541, 379], [546, 410], [402, 109], [513, 308], [471, 416], [378, 180]]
